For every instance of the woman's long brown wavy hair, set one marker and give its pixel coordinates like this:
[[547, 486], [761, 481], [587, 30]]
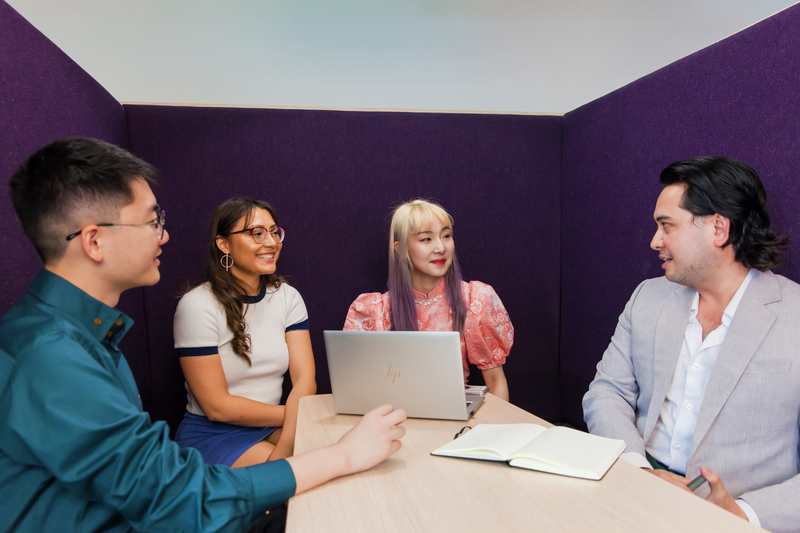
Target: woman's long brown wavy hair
[[227, 288]]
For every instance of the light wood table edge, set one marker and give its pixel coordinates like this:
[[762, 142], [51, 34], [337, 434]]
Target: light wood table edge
[[341, 500]]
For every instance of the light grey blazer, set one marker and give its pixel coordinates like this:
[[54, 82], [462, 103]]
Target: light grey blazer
[[748, 429]]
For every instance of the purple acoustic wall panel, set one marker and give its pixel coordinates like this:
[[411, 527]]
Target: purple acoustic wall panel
[[45, 96], [737, 98], [334, 178]]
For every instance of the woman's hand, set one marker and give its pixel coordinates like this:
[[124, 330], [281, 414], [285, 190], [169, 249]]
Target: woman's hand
[[206, 379], [495, 379], [302, 372]]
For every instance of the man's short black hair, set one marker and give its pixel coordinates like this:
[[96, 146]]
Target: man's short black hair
[[68, 182], [724, 186]]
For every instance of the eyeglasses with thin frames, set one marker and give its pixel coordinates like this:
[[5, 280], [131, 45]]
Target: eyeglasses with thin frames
[[157, 224], [260, 233]]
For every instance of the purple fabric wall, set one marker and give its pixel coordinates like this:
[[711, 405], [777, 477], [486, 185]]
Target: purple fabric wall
[[737, 98], [333, 178], [45, 96], [523, 223]]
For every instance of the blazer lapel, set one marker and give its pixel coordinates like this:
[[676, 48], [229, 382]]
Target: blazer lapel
[[750, 325], [670, 331]]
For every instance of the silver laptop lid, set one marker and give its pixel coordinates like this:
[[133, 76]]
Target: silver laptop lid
[[417, 371]]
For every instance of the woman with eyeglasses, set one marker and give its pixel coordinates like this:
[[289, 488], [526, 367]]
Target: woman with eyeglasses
[[236, 335], [426, 293]]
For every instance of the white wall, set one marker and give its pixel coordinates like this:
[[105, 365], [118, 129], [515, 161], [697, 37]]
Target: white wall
[[476, 55]]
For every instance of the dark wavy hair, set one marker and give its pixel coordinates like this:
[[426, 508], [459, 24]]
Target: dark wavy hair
[[227, 288], [724, 186]]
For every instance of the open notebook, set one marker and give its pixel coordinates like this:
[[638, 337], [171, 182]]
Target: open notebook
[[557, 450]]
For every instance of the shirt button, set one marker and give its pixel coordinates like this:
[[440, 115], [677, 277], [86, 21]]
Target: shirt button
[[97, 321], [109, 334], [118, 322], [695, 366], [678, 446], [689, 406]]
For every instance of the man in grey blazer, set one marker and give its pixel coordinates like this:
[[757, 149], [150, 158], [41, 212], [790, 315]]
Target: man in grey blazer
[[702, 374]]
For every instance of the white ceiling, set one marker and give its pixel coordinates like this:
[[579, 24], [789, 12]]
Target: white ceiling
[[546, 56]]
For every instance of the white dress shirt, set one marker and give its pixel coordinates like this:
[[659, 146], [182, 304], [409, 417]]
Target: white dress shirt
[[671, 440]]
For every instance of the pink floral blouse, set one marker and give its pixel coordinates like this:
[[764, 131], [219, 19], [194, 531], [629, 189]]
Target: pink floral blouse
[[488, 333]]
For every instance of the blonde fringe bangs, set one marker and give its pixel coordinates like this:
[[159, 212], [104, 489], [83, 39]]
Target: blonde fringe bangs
[[415, 216]]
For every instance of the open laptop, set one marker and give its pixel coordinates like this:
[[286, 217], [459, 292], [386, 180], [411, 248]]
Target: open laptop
[[417, 371]]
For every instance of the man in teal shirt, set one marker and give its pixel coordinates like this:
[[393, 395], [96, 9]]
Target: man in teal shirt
[[77, 453]]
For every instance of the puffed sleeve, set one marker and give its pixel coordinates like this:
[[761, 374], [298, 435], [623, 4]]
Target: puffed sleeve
[[488, 332], [369, 312], [296, 313], [197, 323]]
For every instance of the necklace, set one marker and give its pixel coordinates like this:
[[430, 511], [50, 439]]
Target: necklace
[[432, 301]]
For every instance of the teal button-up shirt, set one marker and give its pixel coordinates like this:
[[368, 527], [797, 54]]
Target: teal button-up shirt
[[77, 453]]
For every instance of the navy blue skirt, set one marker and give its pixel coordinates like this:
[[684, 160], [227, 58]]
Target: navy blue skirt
[[219, 443]]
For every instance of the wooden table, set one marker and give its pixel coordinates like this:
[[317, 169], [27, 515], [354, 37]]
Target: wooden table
[[415, 491]]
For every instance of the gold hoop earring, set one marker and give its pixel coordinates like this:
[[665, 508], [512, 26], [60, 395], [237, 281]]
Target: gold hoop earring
[[226, 261]]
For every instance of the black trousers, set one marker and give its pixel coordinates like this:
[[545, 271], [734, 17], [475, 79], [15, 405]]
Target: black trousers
[[658, 465]]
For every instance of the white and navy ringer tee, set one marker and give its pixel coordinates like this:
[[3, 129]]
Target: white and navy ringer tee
[[200, 328]]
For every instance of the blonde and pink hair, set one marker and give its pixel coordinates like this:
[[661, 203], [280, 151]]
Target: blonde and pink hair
[[409, 219]]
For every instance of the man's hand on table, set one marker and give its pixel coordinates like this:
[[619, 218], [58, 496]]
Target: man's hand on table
[[719, 495], [376, 436], [675, 479]]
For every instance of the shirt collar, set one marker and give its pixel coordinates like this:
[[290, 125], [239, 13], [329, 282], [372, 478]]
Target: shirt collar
[[737, 298], [255, 299], [733, 305], [104, 323], [433, 294]]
